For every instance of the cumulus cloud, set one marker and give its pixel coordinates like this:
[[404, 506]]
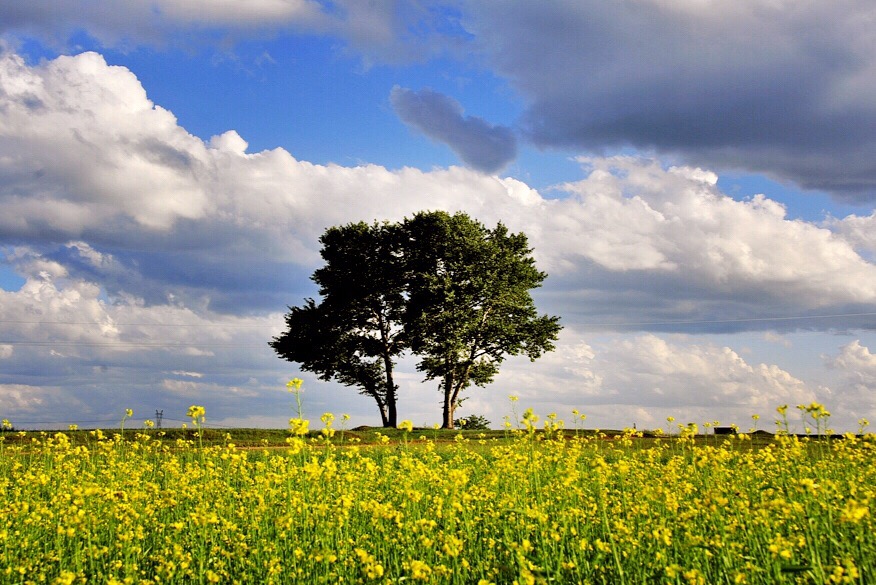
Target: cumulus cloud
[[105, 186], [855, 393], [22, 398], [478, 143], [149, 254], [634, 233], [859, 231], [99, 357], [134, 146], [780, 88], [776, 87], [646, 378], [86, 156]]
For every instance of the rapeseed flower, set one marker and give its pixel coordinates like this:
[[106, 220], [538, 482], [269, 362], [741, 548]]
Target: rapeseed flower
[[581, 509], [197, 413], [298, 426]]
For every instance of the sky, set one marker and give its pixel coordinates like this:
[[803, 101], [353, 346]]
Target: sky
[[697, 178]]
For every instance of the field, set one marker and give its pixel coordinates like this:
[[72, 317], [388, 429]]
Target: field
[[532, 504]]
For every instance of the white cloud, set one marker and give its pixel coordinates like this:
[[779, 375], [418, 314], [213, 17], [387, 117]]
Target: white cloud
[[211, 392], [21, 398], [229, 141], [87, 113], [643, 379], [188, 374], [88, 359], [859, 231], [857, 358], [87, 157], [378, 30], [776, 338], [631, 217], [146, 250], [856, 393], [780, 88]]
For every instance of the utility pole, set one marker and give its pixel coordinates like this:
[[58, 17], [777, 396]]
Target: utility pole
[[158, 415]]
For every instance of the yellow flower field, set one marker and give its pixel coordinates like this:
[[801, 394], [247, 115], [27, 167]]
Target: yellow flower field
[[542, 506]]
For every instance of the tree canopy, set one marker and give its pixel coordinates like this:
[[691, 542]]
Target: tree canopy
[[355, 333], [453, 292], [470, 304]]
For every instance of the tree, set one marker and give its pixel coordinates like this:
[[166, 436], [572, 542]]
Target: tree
[[443, 286], [469, 303], [355, 333]]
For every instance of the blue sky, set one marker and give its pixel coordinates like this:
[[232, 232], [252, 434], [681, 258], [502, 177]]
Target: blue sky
[[697, 178]]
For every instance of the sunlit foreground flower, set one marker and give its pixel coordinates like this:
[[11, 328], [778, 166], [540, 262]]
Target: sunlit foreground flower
[[197, 414], [542, 506]]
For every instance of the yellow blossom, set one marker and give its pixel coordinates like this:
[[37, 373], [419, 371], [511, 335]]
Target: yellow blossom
[[196, 413], [299, 426]]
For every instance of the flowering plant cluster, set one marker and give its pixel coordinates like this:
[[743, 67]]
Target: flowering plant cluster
[[542, 505]]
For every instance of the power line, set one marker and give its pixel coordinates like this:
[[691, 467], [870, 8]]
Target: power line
[[112, 422], [721, 321], [178, 325], [155, 344]]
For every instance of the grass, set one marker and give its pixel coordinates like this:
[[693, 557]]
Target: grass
[[529, 505]]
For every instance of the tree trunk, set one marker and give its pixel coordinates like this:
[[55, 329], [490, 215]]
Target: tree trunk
[[449, 406], [392, 415], [391, 420], [452, 387], [381, 405]]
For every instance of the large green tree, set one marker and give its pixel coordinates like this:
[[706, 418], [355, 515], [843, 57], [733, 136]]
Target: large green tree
[[452, 291], [469, 302], [355, 333]]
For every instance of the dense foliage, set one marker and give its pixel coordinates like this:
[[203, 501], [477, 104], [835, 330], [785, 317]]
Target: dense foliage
[[355, 333]]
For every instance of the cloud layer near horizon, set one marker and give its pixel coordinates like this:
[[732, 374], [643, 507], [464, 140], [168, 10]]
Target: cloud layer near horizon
[[148, 249]]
